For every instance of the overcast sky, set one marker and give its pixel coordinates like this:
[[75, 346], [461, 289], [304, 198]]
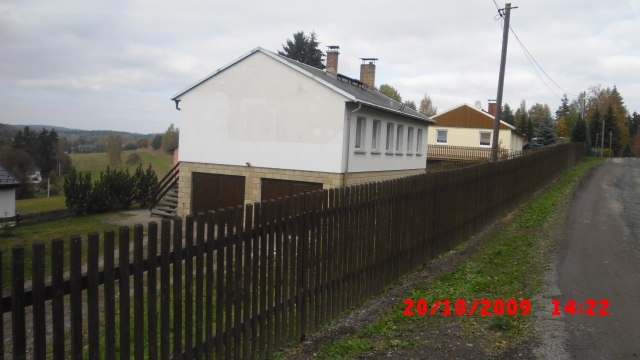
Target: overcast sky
[[115, 64]]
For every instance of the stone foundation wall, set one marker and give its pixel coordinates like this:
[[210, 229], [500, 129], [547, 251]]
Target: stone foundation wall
[[253, 176]]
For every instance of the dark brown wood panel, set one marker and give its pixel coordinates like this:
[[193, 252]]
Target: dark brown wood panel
[[215, 191], [274, 188]]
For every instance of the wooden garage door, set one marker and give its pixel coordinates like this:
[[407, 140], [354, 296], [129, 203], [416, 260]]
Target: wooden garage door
[[273, 189], [213, 191]]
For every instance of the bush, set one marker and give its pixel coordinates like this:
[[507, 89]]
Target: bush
[[143, 143], [77, 190], [133, 159], [145, 181]]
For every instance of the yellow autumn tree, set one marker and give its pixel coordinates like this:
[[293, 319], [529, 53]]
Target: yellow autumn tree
[[636, 145], [561, 127]]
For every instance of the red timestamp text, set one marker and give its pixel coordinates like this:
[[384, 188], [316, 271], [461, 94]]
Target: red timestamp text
[[588, 308], [461, 308]]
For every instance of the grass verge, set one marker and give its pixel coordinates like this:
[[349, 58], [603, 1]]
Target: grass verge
[[507, 264], [161, 162], [41, 204]]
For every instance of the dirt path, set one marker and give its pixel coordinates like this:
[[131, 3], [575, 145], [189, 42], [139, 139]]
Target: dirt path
[[599, 258]]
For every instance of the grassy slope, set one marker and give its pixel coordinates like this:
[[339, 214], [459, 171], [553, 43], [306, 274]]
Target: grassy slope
[[161, 162], [508, 264]]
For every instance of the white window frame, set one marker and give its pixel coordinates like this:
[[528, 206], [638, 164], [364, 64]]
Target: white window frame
[[419, 142], [390, 134], [410, 131], [480, 139], [376, 135], [361, 131], [446, 136], [399, 139]]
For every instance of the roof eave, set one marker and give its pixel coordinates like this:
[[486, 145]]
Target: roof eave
[[393, 111]]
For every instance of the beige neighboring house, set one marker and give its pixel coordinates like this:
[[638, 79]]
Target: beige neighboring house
[[467, 126]]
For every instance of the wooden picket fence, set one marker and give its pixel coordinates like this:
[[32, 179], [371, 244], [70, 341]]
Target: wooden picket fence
[[244, 282]]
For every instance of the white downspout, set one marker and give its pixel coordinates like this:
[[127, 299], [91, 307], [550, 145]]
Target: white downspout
[[346, 173]]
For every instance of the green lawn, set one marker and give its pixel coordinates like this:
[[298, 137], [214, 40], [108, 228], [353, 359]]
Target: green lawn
[[27, 235], [40, 204], [161, 161]]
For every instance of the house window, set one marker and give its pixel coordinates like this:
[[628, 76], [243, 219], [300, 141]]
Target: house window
[[375, 135], [409, 139], [389, 136], [361, 125], [485, 139], [399, 138], [442, 137], [419, 142]]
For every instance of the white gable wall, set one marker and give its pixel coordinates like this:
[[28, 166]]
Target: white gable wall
[[370, 160], [263, 112], [7, 202]]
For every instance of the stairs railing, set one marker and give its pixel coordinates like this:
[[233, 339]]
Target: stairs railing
[[164, 185]]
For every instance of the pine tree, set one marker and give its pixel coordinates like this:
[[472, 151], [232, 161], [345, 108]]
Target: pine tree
[[304, 49], [580, 133], [563, 110], [611, 131], [507, 115], [595, 126], [546, 134]]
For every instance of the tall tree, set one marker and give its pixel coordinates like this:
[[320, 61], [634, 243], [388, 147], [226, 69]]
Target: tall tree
[[634, 124], [562, 128], [411, 104], [563, 110], [507, 115], [304, 49], [595, 126], [611, 131], [170, 138], [391, 92], [546, 134], [580, 133], [427, 108], [521, 118]]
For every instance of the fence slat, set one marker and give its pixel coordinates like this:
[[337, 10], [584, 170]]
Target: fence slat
[[246, 298], [177, 288], [37, 284], [75, 295], [199, 281], [18, 330], [1, 308], [93, 296], [237, 306], [278, 275], [255, 243], [188, 288], [263, 279], [125, 299], [228, 305], [109, 297], [152, 288], [211, 228], [165, 289], [220, 293], [138, 292]]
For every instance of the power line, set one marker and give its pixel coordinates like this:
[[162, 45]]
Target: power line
[[529, 56]]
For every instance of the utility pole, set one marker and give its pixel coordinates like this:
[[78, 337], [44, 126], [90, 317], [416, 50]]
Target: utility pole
[[602, 146], [503, 61], [597, 134], [610, 139]]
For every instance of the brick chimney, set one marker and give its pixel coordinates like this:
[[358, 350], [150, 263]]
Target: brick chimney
[[332, 59], [368, 71], [492, 107]]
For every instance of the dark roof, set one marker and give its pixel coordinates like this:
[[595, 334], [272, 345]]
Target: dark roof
[[351, 88], [7, 180]]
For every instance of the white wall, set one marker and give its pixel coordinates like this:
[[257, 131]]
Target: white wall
[[263, 112], [7, 202], [368, 160]]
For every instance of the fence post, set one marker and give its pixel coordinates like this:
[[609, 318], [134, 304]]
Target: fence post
[[17, 303], [303, 259]]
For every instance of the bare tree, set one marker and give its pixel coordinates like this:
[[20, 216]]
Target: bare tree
[[426, 106]]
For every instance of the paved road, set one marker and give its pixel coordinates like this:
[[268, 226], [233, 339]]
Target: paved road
[[599, 258]]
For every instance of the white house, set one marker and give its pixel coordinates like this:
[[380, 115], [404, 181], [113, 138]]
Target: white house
[[266, 126], [8, 185], [33, 175]]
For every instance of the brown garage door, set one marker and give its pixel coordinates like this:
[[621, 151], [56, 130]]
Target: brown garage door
[[213, 191], [273, 189]]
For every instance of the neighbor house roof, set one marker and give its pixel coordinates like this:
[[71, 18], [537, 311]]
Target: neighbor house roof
[[485, 121], [350, 88], [7, 180]]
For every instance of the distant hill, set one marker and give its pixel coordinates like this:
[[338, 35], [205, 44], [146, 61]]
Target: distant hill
[[61, 129]]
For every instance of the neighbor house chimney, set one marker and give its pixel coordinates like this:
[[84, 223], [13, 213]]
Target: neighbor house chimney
[[332, 59], [368, 71], [492, 107]]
